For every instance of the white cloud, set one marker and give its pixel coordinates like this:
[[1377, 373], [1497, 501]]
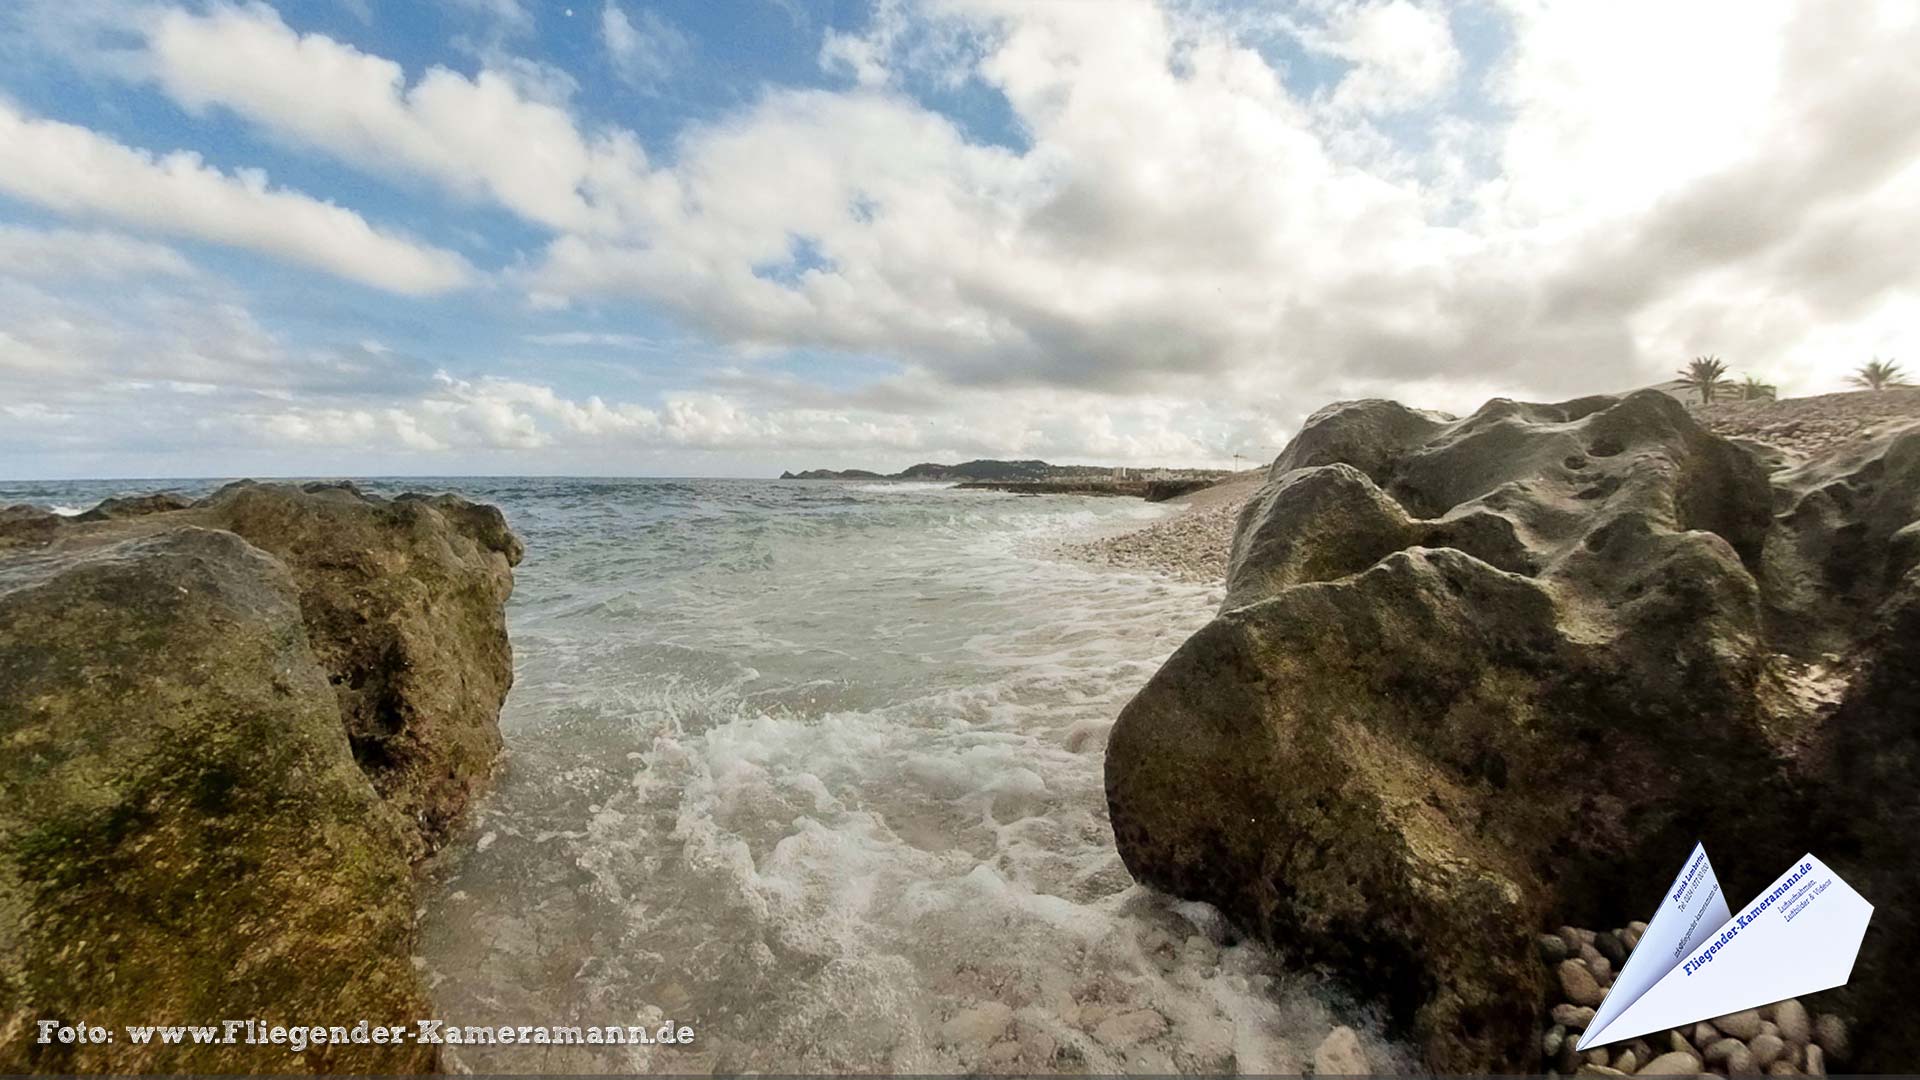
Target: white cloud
[[76, 171], [43, 254], [493, 136], [1403, 54], [646, 50], [1169, 222]]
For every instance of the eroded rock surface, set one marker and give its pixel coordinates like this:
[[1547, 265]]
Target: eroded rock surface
[[1477, 677], [229, 728]]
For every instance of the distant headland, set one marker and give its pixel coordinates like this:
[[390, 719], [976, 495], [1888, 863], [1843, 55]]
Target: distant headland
[[1038, 478]]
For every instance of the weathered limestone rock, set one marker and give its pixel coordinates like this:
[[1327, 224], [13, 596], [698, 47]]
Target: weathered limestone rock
[[1475, 677], [186, 830]]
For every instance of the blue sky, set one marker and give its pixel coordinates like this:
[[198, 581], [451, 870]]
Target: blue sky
[[513, 236]]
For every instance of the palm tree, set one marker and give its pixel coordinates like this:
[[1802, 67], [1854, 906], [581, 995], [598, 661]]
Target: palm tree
[[1704, 375], [1755, 390], [1879, 374]]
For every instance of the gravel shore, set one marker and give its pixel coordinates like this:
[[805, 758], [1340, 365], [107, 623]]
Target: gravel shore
[[1191, 546]]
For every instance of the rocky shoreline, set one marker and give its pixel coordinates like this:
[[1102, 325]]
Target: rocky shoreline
[[232, 727], [1477, 677], [1193, 545]]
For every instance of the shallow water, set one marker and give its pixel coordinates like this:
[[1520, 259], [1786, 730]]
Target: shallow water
[[815, 769]]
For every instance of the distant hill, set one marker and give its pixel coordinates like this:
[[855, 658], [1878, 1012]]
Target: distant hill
[[983, 469]]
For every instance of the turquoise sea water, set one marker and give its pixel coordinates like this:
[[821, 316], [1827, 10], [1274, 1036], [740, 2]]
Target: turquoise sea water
[[815, 768]]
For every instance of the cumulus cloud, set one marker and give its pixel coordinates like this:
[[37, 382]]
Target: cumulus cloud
[[76, 171], [1172, 229]]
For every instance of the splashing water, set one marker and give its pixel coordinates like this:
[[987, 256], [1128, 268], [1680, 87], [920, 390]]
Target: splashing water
[[815, 769]]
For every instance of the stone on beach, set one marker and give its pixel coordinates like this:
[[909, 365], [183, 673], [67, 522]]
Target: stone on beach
[[1340, 1054], [1579, 984], [1550, 587], [191, 832], [1676, 1063], [1744, 1024]]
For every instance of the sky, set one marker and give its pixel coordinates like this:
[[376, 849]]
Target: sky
[[618, 237]]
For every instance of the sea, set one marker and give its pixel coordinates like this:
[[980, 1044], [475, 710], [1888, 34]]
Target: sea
[[814, 768]]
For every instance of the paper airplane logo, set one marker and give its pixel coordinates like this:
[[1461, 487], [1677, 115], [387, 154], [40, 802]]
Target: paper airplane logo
[[1696, 961]]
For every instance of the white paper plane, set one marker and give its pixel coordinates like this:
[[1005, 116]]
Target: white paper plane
[[1695, 962]]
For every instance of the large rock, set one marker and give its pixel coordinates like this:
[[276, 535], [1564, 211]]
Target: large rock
[[187, 833], [1477, 678]]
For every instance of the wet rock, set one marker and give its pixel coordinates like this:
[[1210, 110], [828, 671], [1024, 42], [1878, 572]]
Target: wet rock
[[1340, 1054], [1553, 948], [1792, 1019], [22, 525], [1610, 946], [1744, 1024], [1578, 984], [1677, 1063], [186, 831], [189, 702], [135, 506], [1579, 576], [1830, 1032]]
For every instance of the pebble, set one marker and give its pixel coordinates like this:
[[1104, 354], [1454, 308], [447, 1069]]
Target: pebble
[[1600, 966], [1139, 1025], [1630, 938], [1671, 1064], [1795, 1025], [1744, 1024], [1599, 1056], [1816, 1062], [1591, 1069], [1768, 1027], [1704, 1034], [1553, 949], [1550, 1042], [1609, 946], [1578, 983], [1627, 1061], [1781, 1068], [1722, 1049], [1679, 1043], [1575, 1017], [1340, 1054], [1831, 1033], [978, 1026], [1767, 1049], [1642, 1049]]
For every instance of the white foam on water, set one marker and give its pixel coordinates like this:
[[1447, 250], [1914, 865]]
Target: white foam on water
[[826, 854], [66, 511]]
